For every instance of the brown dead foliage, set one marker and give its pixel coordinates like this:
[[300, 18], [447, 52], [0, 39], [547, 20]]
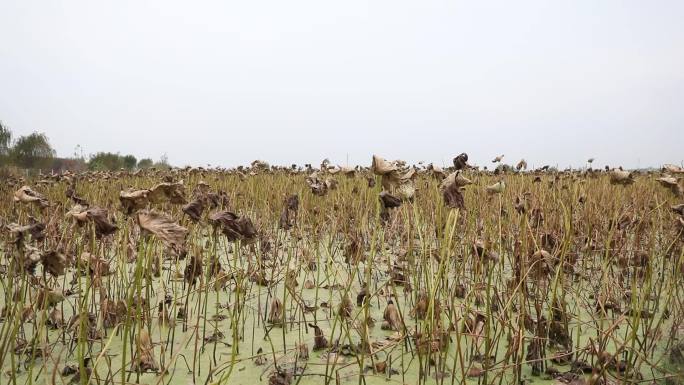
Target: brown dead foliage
[[233, 227], [392, 317], [194, 209], [133, 200], [672, 184], [320, 342], [163, 227], [98, 216], [54, 262], [396, 177], [35, 229], [193, 270], [173, 193], [144, 356], [288, 216], [621, 177], [26, 195]]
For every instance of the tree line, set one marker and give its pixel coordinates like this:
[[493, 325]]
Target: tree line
[[34, 152]]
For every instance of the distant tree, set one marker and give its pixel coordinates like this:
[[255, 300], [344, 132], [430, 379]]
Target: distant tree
[[78, 152], [5, 140], [105, 161], [72, 164], [32, 151], [129, 162], [163, 162], [145, 163], [5, 143]]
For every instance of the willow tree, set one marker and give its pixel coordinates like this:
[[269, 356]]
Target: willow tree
[[5, 143], [32, 151]]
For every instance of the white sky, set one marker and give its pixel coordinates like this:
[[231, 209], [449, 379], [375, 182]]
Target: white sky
[[227, 82]]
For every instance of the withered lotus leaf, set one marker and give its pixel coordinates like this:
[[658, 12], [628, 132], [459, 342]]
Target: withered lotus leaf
[[398, 177], [543, 260], [381, 166], [53, 262], [71, 193], [163, 227], [55, 319], [92, 264], [673, 169], [233, 227], [194, 209], [482, 250], [673, 184], [453, 198], [192, 270], [455, 178], [679, 209], [35, 229], [78, 212], [391, 316], [389, 201], [502, 168], [49, 298], [281, 377], [496, 188], [331, 184], [97, 215], [28, 260], [346, 171], [395, 178], [344, 309], [436, 171], [168, 192], [26, 195], [320, 342], [621, 177], [667, 181], [420, 309], [112, 312], [288, 216], [318, 186], [133, 200], [215, 200], [260, 165], [202, 187], [275, 314], [292, 202], [284, 221], [144, 358]]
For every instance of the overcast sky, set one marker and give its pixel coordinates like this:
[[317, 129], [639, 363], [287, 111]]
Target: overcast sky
[[286, 81]]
